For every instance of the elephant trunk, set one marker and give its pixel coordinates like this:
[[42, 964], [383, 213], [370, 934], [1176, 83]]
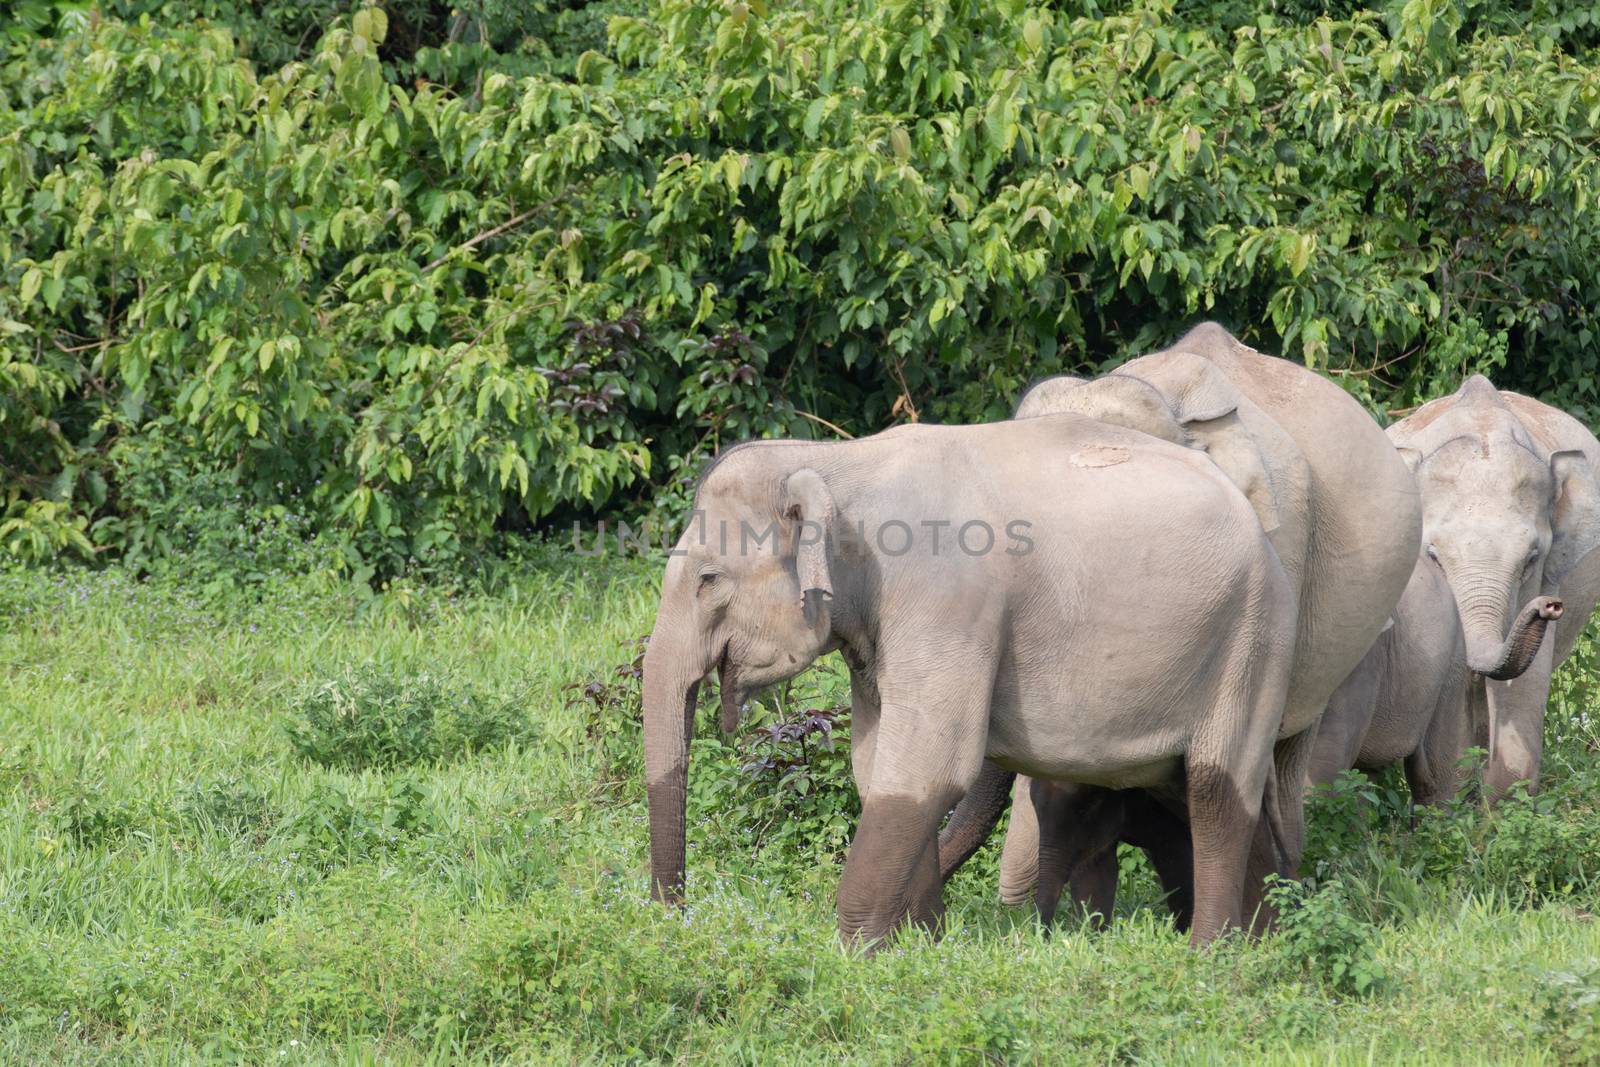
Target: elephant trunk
[[1507, 659], [974, 818], [671, 686], [733, 701]]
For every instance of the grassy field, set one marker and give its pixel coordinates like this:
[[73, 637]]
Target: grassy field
[[206, 855]]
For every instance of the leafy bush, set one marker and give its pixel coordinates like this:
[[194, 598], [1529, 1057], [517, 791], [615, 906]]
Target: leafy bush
[[231, 806], [339, 824], [87, 817], [782, 798], [613, 718], [779, 798], [796, 795], [1316, 931], [1343, 816], [415, 314], [1567, 1003], [376, 717]]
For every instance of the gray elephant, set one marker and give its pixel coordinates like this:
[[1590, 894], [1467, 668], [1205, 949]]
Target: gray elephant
[[1136, 632], [1407, 702], [1339, 506], [1511, 510]]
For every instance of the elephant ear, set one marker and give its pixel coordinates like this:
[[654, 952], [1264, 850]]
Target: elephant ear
[[1575, 516], [808, 503], [1251, 449]]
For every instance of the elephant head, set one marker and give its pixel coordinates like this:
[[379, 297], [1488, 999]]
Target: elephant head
[[1183, 398], [747, 593], [1503, 517]]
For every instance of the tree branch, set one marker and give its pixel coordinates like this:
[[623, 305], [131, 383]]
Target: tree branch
[[847, 435], [487, 235]]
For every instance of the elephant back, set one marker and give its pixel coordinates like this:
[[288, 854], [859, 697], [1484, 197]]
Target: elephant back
[[1359, 509]]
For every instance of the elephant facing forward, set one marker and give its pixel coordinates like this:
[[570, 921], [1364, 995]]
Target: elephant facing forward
[[1511, 511], [1409, 700]]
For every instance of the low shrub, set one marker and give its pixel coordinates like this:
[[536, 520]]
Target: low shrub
[[371, 716], [340, 824], [611, 719], [1567, 1006], [231, 806], [1318, 932]]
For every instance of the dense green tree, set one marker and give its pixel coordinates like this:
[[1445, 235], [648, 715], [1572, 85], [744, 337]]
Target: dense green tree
[[419, 293]]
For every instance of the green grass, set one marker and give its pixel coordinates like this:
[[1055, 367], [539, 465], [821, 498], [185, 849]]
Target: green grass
[[179, 881]]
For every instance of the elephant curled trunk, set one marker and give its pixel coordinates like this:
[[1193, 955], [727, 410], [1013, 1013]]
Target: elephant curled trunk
[[1507, 659]]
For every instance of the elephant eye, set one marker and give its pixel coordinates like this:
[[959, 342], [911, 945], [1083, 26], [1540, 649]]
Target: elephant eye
[[1433, 553]]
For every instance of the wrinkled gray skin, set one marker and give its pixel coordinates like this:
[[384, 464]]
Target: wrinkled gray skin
[[1339, 506], [1511, 511], [1145, 640], [1405, 702], [1408, 700]]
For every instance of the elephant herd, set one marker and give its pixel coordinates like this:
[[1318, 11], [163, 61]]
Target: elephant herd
[[1154, 608]]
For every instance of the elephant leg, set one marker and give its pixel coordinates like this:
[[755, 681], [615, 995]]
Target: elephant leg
[[1433, 771], [1280, 833], [1516, 725], [1226, 772], [1291, 765], [974, 819], [1094, 885], [929, 749], [1164, 837], [863, 729], [1019, 857], [1078, 831], [1223, 808], [1343, 727]]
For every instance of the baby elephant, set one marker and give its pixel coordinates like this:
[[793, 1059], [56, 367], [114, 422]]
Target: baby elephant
[[1408, 699]]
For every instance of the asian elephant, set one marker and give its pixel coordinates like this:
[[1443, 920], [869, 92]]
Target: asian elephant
[[1339, 506], [1059, 596], [1405, 702], [1408, 699], [1511, 511]]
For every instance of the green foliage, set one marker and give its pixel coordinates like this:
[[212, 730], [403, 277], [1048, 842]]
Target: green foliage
[[416, 313], [779, 800], [230, 806], [786, 792], [611, 719], [178, 884], [1568, 1002], [1342, 816], [1316, 930], [371, 716], [339, 825], [193, 525]]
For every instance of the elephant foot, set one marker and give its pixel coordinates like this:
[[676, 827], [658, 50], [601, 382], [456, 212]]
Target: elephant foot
[[892, 873]]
